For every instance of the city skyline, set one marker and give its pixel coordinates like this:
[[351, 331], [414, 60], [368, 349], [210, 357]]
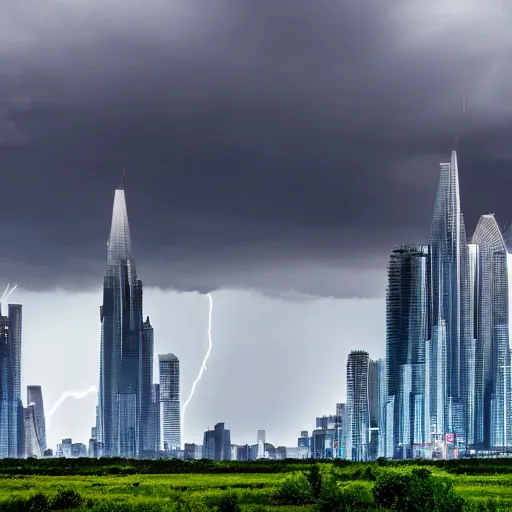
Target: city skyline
[[273, 155]]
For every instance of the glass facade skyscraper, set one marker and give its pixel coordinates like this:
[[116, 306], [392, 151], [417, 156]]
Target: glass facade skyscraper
[[492, 343], [170, 401], [126, 347], [35, 396], [407, 332], [358, 406], [450, 301], [12, 428]]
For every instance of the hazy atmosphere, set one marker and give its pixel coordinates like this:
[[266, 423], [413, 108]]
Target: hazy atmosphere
[[274, 153]]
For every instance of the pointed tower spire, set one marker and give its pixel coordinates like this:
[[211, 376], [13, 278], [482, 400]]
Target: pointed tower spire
[[119, 245]]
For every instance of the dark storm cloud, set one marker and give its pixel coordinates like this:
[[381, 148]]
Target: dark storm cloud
[[278, 145]]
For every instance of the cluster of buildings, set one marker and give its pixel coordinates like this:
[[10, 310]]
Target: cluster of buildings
[[135, 417], [444, 389]]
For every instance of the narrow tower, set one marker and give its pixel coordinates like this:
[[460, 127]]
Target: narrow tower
[[170, 401], [450, 318], [123, 359]]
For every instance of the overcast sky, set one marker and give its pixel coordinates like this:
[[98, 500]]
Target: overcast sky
[[281, 147]]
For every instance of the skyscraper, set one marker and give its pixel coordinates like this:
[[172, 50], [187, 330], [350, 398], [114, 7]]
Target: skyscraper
[[450, 303], [147, 432], [375, 395], [155, 419], [407, 332], [32, 439], [170, 401], [123, 359], [35, 396], [358, 406], [12, 424], [492, 370]]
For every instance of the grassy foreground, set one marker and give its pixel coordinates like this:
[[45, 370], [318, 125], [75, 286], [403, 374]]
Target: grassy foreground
[[287, 486]]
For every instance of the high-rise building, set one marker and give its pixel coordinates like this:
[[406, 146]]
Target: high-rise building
[[376, 403], [125, 349], [35, 396], [12, 421], [155, 419], [492, 365], [170, 401], [147, 432], [32, 440], [450, 305], [358, 407], [407, 332], [217, 443]]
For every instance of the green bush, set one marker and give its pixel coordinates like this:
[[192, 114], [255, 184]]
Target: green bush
[[295, 489], [416, 492], [315, 480], [66, 499], [35, 503], [229, 502], [336, 498], [445, 498]]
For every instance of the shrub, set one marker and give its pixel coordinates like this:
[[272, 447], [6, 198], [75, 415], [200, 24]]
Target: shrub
[[445, 498], [388, 489], [66, 499], [337, 498], [229, 502], [315, 480], [416, 492], [295, 489], [35, 503]]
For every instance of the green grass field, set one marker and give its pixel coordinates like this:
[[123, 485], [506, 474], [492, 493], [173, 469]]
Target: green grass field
[[255, 491]]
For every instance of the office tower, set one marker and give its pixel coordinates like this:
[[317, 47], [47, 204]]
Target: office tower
[[155, 419], [12, 420], [375, 396], [260, 439], [407, 332], [471, 398], [217, 443], [170, 401], [304, 441], [147, 440], [32, 441], [450, 301], [35, 396], [358, 407], [222, 449], [492, 340], [209, 445], [123, 348], [383, 399], [341, 431]]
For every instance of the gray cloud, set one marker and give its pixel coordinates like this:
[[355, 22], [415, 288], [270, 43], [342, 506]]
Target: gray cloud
[[275, 145]]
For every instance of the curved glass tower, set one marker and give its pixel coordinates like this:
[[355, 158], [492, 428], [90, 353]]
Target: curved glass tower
[[493, 418], [124, 374]]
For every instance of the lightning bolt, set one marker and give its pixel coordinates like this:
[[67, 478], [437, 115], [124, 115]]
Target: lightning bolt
[[77, 395], [207, 355], [7, 292]]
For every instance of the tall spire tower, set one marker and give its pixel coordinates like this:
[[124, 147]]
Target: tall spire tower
[[122, 375], [449, 261]]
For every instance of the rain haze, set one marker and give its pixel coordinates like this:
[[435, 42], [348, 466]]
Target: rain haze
[[274, 153]]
